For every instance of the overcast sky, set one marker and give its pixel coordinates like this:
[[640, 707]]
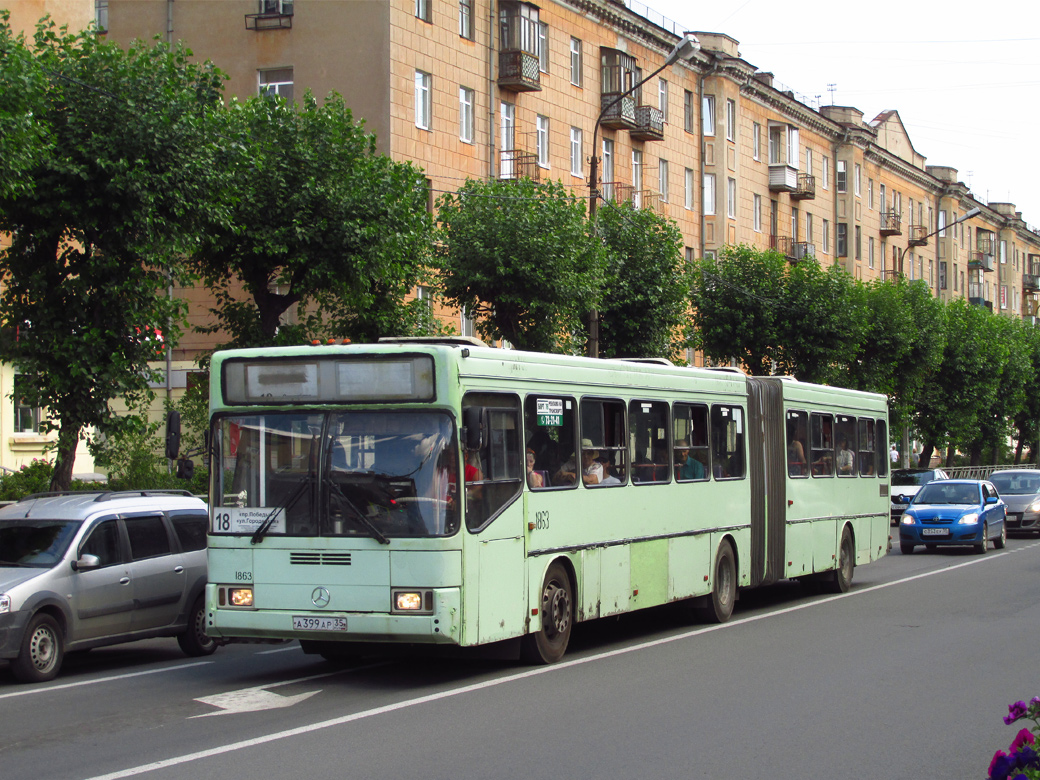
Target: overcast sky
[[965, 85]]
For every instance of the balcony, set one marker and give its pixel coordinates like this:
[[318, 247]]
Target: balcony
[[782, 244], [270, 21], [985, 245], [518, 71], [800, 250], [806, 189], [621, 115], [649, 121], [1029, 319], [981, 302], [980, 261], [891, 223], [782, 178], [643, 199], [516, 164], [918, 235], [1030, 283]]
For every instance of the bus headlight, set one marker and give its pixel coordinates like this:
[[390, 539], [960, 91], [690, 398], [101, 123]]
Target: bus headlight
[[240, 597], [412, 601]]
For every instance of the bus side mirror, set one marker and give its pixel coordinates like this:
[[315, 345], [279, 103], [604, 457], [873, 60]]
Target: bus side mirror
[[474, 425], [173, 435]]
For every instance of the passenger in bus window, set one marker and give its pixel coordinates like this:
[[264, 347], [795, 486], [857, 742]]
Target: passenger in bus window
[[845, 457], [795, 448], [534, 478], [591, 469], [686, 468]]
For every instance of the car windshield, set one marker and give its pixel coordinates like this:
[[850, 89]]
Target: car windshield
[[1016, 484], [379, 474], [944, 492], [905, 477], [35, 544]]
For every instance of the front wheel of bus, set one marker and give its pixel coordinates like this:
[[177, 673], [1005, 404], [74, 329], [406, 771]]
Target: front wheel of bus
[[841, 577], [723, 598], [548, 645]]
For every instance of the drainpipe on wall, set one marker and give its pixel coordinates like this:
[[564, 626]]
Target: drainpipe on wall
[[491, 91], [169, 21]]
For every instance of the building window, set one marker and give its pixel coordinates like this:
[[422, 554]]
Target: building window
[[792, 147], [942, 223], [825, 239], [688, 117], [543, 47], [268, 7], [662, 98], [756, 141], [466, 19], [467, 326], [542, 127], [942, 276], [637, 178], [101, 15], [858, 171], [423, 101], [870, 250], [731, 120], [776, 140], [577, 152], [731, 198], [576, 62], [689, 188], [870, 193], [1003, 252], [858, 248], [809, 233], [422, 10], [662, 179], [26, 417], [842, 176], [708, 114], [608, 168], [277, 82], [756, 210], [842, 248], [825, 172], [708, 196], [808, 161], [466, 114], [507, 138]]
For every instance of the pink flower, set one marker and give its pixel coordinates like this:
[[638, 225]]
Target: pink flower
[[1024, 737]]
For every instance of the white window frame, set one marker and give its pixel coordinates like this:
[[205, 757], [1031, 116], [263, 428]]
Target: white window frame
[[708, 115], [423, 99], [466, 19], [825, 172], [842, 176], [825, 238], [576, 62], [466, 98], [422, 10], [708, 194], [792, 146], [662, 179], [756, 213], [272, 82], [662, 98], [857, 170], [688, 177], [542, 140], [756, 142], [731, 198], [543, 47], [577, 152], [637, 177], [731, 120]]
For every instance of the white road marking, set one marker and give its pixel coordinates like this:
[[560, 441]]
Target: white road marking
[[254, 742], [81, 683], [250, 700]]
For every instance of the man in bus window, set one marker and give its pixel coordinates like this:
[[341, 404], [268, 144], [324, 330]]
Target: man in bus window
[[845, 458], [591, 469], [686, 468]]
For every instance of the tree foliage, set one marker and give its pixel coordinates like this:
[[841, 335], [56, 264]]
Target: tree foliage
[[519, 257], [103, 195], [317, 223], [645, 301]]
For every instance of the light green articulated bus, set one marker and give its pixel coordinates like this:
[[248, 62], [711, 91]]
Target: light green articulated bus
[[438, 491]]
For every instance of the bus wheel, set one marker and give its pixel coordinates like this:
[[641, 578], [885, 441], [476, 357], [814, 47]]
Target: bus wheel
[[548, 645], [841, 578], [723, 598]]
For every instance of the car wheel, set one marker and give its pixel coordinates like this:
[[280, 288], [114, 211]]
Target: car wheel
[[906, 548], [557, 608], [841, 579], [42, 651], [1001, 540], [981, 547], [723, 597], [194, 641]]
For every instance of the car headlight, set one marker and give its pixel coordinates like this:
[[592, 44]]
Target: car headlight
[[907, 520], [5, 602], [1035, 506], [969, 519]]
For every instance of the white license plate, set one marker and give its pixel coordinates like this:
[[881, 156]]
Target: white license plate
[[300, 623], [935, 532]]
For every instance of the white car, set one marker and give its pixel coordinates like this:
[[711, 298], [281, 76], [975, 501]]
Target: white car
[[905, 484]]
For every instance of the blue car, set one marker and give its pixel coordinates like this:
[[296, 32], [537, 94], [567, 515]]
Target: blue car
[[954, 512]]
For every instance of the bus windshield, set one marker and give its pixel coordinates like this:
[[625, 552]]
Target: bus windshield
[[380, 474]]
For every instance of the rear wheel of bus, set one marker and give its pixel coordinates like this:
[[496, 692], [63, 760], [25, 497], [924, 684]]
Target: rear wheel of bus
[[719, 605], [548, 645]]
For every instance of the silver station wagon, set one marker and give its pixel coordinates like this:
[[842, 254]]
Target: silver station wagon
[[81, 570]]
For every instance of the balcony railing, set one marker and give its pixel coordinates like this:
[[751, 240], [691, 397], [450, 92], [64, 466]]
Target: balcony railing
[[783, 178], [782, 244], [806, 188], [649, 124], [918, 235], [516, 164], [980, 261], [891, 223], [621, 115], [518, 71], [270, 21], [984, 245], [1030, 283], [975, 301], [800, 250]]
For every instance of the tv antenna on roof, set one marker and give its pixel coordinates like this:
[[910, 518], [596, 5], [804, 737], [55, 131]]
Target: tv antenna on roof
[[831, 88]]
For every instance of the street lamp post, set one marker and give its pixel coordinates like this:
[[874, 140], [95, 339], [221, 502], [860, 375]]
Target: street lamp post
[[686, 46], [973, 212]]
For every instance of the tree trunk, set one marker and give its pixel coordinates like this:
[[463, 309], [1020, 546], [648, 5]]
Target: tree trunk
[[68, 440], [1018, 451], [975, 453], [925, 458]]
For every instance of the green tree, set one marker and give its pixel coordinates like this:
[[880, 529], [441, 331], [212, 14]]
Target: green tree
[[1027, 421], [952, 401], [318, 222], [996, 419], [519, 257], [104, 195], [738, 307], [646, 297]]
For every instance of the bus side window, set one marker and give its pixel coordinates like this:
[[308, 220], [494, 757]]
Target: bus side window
[[845, 437], [550, 427], [727, 442], [866, 447], [881, 447], [648, 437], [604, 451], [493, 475], [822, 445], [691, 461], [797, 444]]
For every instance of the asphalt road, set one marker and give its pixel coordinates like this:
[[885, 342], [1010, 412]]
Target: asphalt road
[[906, 676]]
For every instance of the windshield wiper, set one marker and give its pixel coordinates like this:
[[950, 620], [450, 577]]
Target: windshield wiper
[[292, 498], [360, 515]]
